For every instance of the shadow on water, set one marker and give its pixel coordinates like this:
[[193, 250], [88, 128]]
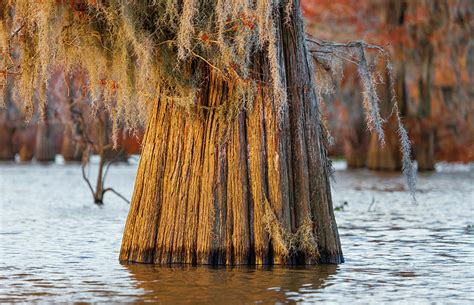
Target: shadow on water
[[226, 285]]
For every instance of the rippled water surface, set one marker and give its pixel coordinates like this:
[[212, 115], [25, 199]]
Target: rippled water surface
[[56, 245]]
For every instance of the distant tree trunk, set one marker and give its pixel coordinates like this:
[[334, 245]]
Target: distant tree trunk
[[423, 137], [388, 157], [71, 150], [385, 157], [6, 136], [254, 190], [7, 128], [356, 136], [73, 145], [44, 148], [424, 148], [24, 139], [356, 141], [7, 153]]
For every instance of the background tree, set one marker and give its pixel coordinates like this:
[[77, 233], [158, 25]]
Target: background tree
[[430, 49], [7, 125]]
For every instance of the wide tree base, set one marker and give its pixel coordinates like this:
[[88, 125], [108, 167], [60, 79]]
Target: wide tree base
[[252, 191], [228, 183], [208, 196]]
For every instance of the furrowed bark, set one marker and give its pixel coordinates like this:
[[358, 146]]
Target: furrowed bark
[[249, 187]]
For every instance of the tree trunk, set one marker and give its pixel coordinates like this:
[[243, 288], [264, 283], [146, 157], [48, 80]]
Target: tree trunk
[[356, 141], [250, 190], [388, 157], [7, 152], [7, 127], [423, 137], [44, 149], [71, 149], [385, 157], [24, 142], [425, 152]]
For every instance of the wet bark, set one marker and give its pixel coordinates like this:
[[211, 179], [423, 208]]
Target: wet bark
[[252, 189]]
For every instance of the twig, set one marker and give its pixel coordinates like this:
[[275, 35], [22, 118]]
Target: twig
[[206, 61]]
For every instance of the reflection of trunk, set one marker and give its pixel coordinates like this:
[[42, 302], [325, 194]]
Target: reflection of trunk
[[257, 194], [226, 283]]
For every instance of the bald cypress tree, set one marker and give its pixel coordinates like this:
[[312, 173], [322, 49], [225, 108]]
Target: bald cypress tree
[[241, 181], [234, 168]]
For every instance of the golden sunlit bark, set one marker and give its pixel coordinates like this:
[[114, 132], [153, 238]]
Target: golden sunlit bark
[[252, 189]]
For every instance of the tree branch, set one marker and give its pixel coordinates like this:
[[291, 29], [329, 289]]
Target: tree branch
[[83, 168], [116, 193]]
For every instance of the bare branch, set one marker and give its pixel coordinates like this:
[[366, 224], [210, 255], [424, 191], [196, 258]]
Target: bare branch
[[116, 193], [86, 178]]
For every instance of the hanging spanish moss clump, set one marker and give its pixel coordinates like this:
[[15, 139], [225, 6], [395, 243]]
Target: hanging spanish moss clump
[[135, 52]]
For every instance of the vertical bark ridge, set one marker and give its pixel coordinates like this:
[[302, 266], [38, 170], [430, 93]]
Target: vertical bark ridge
[[258, 180]]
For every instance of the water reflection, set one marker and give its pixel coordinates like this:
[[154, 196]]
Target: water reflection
[[225, 285]]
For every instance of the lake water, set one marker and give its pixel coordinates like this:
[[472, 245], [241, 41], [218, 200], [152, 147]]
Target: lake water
[[57, 246]]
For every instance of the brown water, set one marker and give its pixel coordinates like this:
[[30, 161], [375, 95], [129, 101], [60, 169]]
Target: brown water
[[56, 246]]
